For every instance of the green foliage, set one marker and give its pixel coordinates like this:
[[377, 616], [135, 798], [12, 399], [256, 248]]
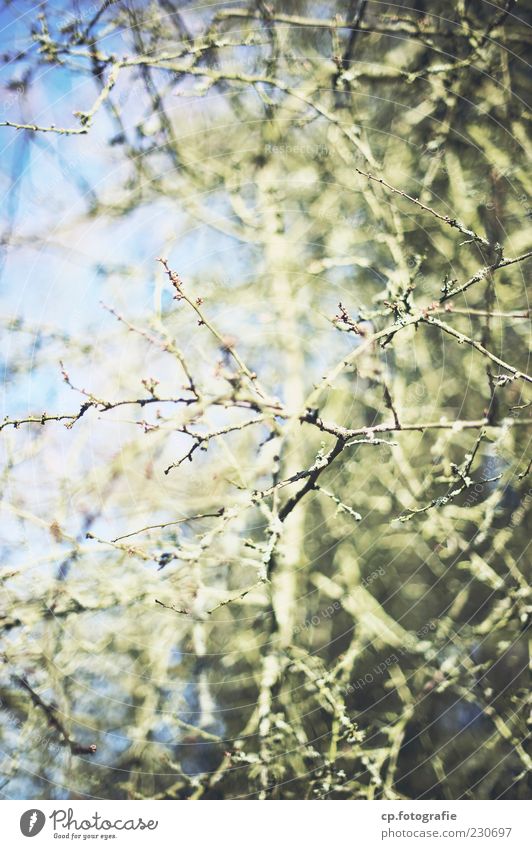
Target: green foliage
[[270, 542]]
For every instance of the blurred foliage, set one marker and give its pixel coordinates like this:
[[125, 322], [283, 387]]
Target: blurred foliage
[[268, 538]]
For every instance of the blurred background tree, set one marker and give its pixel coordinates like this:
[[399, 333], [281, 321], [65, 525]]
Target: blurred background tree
[[265, 480]]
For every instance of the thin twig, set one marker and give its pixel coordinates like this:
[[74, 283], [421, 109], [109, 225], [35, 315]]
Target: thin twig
[[462, 338], [169, 524]]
